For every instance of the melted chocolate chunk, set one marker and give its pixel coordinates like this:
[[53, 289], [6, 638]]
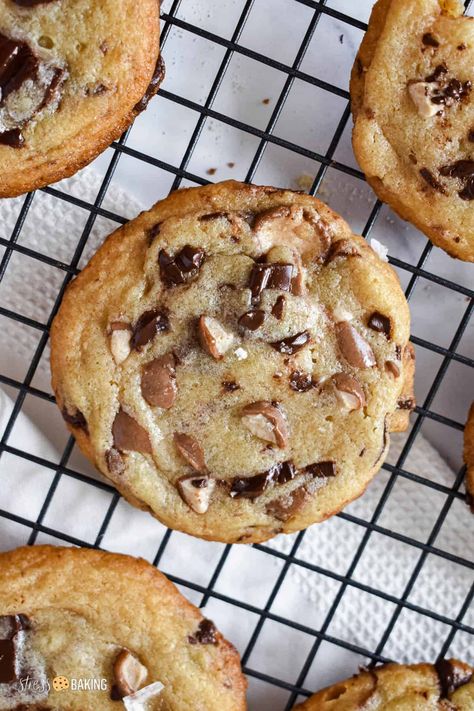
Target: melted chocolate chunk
[[148, 325], [153, 232], [440, 71], [429, 40], [380, 323], [10, 626], [321, 469], [252, 319], [270, 276], [467, 193], [460, 169], [153, 86], [206, 633], [406, 404], [450, 678], [278, 307], [17, 65], [292, 344], [13, 138], [342, 248], [428, 176], [230, 386], [301, 382], [251, 487], [184, 266], [75, 418]]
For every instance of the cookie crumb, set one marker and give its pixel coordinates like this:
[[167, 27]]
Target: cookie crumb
[[265, 101], [211, 171]]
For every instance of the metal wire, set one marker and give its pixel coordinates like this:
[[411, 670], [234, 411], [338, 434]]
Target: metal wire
[[449, 354]]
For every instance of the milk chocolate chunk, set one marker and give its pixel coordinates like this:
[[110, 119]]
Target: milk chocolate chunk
[[114, 461], [392, 367], [380, 323], [128, 435], [301, 382], [157, 78], [213, 337], [196, 492], [354, 348], [206, 633], [181, 268], [190, 450], [286, 506], [349, 391], [342, 248], [129, 673], [292, 344], [158, 382], [252, 319], [321, 469], [148, 325], [75, 418], [450, 678], [429, 40], [428, 177], [266, 421], [279, 307]]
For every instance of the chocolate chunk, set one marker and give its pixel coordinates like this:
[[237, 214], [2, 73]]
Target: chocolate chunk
[[10, 626], [129, 673], [266, 421], [292, 344], [349, 391], [114, 461], [460, 169], [230, 386], [75, 418], [270, 276], [153, 233], [406, 404], [450, 678], [213, 337], [13, 138], [470, 135], [128, 435], [157, 78], [321, 469], [148, 325], [342, 248], [286, 506], [440, 71], [429, 40], [251, 487], [190, 450], [252, 319], [354, 348], [206, 633], [301, 382], [380, 323], [278, 307], [467, 193], [183, 267], [196, 492], [158, 382], [428, 176]]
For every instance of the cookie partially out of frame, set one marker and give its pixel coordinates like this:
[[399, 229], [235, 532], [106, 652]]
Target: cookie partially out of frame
[[469, 456], [413, 107], [73, 75], [83, 630], [445, 686], [234, 360]]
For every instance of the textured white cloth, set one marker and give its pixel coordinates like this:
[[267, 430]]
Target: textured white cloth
[[30, 288]]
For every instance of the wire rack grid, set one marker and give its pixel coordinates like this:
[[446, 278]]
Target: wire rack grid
[[282, 692]]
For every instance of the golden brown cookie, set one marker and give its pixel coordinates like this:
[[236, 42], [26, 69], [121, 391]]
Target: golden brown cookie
[[413, 108], [88, 630], [73, 75], [232, 361], [444, 686], [469, 456]]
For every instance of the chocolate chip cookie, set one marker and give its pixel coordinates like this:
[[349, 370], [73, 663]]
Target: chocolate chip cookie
[[234, 360], [469, 456], [73, 75], [413, 107], [87, 630], [444, 686]]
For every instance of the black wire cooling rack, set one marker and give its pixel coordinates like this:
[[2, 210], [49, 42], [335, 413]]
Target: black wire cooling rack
[[447, 355]]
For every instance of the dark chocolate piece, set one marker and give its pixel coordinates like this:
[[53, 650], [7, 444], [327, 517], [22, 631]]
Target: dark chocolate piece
[[252, 319], [292, 344], [406, 404], [230, 386], [428, 176], [467, 193], [440, 71], [251, 487], [153, 86], [270, 276], [184, 266], [11, 625], [429, 40], [278, 307], [450, 678], [460, 169], [148, 325], [206, 633], [380, 323], [301, 382], [321, 469], [470, 135], [13, 138], [75, 418]]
